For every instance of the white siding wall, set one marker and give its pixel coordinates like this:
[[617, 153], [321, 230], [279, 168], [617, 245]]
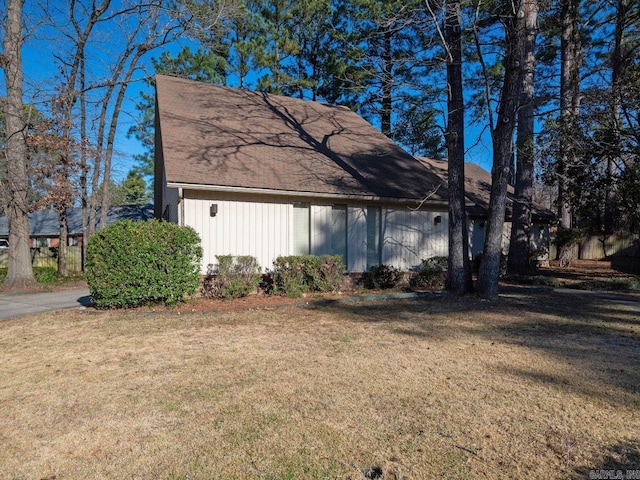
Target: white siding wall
[[245, 225], [411, 236], [261, 226], [320, 229], [357, 238]]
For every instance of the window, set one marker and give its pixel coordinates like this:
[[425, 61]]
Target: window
[[339, 231], [301, 230], [373, 236]]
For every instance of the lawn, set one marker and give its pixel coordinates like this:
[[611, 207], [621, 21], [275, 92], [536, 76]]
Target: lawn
[[534, 385]]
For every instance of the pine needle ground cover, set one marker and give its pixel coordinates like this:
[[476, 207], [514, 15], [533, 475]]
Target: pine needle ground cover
[[535, 385]]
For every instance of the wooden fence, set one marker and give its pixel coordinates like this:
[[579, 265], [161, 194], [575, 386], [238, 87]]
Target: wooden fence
[[599, 247], [48, 257]]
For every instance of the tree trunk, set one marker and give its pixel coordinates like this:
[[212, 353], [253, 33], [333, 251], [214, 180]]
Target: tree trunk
[[502, 141], [618, 64], [387, 84], [520, 244], [569, 104], [106, 201], [459, 271], [20, 272], [62, 246]]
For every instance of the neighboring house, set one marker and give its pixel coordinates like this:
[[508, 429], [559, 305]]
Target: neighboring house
[[266, 175], [478, 192], [44, 225]]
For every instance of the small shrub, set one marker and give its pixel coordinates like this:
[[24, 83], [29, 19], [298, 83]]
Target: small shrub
[[139, 263], [297, 274], [289, 276], [232, 277], [324, 273], [431, 273], [384, 277]]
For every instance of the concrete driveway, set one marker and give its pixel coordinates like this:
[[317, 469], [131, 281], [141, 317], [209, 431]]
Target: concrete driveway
[[19, 304]]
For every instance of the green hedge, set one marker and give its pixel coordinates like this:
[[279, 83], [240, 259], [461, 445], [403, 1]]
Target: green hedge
[[140, 263], [294, 275]]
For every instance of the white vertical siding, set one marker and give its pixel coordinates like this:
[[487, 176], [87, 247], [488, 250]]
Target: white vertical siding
[[357, 238], [245, 225], [320, 229], [261, 226], [410, 236]]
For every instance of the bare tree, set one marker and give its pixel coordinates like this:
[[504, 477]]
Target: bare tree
[[20, 272]]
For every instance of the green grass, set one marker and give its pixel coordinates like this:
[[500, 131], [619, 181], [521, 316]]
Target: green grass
[[47, 276]]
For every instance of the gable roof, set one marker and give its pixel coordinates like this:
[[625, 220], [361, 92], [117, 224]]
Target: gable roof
[[227, 137], [477, 184], [46, 223]]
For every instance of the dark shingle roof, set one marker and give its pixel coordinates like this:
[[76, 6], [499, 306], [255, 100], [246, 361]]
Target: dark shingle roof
[[46, 223], [212, 135], [478, 189]]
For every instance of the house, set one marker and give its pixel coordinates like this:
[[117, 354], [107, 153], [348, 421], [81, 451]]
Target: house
[[44, 225], [478, 192], [266, 175]]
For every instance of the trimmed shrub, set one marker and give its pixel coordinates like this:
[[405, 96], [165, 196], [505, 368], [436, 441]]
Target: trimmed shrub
[[431, 273], [232, 277], [384, 277], [142, 263], [289, 277], [294, 275]]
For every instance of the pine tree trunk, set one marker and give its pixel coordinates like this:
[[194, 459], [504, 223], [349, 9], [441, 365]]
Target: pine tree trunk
[[488, 276], [569, 104], [617, 75], [20, 272], [520, 244], [459, 271]]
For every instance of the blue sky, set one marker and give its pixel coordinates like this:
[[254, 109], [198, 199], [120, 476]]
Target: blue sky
[[42, 75]]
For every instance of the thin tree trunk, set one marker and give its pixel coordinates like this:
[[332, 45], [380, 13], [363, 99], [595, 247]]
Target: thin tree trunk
[[502, 141], [387, 81], [569, 104], [105, 201], [520, 244], [20, 272], [459, 271], [84, 167], [617, 75], [62, 246]]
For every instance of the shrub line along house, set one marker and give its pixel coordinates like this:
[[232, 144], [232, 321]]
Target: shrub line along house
[[266, 175]]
